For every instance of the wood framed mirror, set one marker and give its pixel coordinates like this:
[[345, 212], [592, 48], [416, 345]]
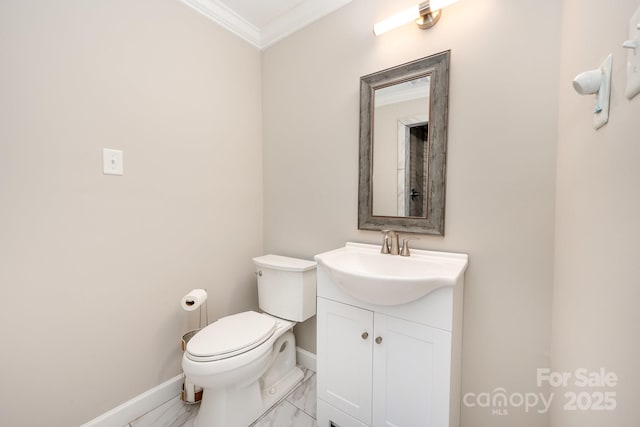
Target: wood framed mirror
[[403, 147]]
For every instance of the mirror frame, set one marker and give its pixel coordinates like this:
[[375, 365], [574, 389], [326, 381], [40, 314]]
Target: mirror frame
[[437, 67]]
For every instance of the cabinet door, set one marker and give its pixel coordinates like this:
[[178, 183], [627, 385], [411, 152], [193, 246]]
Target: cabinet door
[[410, 374], [344, 358]]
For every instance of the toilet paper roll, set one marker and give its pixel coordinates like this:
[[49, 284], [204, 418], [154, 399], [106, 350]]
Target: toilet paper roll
[[194, 299]]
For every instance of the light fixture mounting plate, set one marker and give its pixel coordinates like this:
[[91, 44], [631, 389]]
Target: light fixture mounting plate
[[428, 18]]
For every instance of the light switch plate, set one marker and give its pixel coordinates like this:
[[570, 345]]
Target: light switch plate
[[112, 162], [633, 56]]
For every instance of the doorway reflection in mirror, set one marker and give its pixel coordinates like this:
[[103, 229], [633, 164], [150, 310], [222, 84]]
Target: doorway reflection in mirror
[[401, 148]]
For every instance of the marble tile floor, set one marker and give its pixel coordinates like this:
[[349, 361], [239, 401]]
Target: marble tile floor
[[297, 409]]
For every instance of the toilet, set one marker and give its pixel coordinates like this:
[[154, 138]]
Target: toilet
[[246, 362]]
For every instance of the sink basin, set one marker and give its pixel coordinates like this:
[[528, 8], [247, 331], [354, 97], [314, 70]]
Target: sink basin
[[382, 279]]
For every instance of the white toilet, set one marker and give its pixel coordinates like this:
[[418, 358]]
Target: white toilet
[[246, 362]]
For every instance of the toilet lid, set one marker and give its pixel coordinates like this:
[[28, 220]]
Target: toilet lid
[[231, 334]]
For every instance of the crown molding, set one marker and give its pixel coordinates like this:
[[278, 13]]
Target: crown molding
[[295, 19], [227, 18]]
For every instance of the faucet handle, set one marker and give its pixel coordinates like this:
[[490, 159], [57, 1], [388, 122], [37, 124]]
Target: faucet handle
[[385, 242], [405, 247]]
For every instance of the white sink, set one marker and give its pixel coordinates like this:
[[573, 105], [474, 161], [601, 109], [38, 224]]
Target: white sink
[[383, 279]]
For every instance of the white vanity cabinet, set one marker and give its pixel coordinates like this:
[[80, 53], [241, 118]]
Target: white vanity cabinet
[[345, 334], [411, 366], [388, 365], [382, 370]]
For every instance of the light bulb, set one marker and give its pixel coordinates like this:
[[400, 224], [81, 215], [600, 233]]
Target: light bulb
[[397, 20], [439, 4]]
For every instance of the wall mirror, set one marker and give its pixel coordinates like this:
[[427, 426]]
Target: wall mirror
[[403, 146]]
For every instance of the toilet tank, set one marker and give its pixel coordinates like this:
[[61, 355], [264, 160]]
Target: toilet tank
[[286, 286]]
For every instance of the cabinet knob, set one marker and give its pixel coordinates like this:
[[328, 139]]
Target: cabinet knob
[[378, 340], [365, 335]]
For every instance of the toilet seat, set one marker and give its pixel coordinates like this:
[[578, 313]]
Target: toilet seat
[[230, 336]]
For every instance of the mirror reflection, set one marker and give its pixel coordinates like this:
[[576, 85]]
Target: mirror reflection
[[400, 132]]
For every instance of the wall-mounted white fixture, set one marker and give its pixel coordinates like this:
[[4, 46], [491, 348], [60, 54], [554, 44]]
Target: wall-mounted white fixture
[[425, 14], [112, 162], [597, 82], [633, 56]]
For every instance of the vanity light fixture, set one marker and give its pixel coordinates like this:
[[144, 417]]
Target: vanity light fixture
[[425, 14]]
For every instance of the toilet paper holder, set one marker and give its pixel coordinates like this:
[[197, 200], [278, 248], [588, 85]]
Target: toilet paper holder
[[186, 337], [190, 394]]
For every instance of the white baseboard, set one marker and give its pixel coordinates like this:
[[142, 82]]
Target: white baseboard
[[306, 359], [139, 405]]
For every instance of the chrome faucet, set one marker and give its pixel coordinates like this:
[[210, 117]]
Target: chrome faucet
[[390, 244]]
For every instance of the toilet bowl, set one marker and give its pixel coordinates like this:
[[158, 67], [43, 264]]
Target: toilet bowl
[[246, 362]]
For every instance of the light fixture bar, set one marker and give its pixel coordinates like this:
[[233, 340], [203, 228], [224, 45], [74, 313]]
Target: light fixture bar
[[397, 20], [425, 14], [439, 4]]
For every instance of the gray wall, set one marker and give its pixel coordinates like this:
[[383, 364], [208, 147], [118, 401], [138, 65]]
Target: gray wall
[[93, 267], [596, 321], [500, 171]]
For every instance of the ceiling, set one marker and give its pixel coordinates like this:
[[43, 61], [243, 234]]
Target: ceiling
[[264, 22]]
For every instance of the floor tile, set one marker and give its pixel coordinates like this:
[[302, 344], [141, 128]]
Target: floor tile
[[173, 413], [286, 415], [304, 397]]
